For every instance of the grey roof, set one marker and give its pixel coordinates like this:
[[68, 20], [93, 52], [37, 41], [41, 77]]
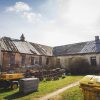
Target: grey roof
[[25, 47], [15, 45], [77, 48], [8, 44], [89, 47], [43, 49]]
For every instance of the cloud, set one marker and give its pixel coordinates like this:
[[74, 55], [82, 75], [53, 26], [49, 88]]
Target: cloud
[[58, 22], [19, 7], [25, 11], [32, 17]]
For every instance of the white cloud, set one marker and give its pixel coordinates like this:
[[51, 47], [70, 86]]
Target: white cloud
[[25, 11], [19, 7], [32, 17], [62, 21]]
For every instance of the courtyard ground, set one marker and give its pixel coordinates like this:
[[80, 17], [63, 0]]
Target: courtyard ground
[[45, 87]]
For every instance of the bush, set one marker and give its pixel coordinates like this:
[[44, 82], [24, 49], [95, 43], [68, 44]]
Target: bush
[[79, 66], [48, 79], [63, 76], [44, 80], [56, 78]]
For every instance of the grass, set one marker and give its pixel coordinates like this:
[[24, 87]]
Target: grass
[[73, 93], [44, 88]]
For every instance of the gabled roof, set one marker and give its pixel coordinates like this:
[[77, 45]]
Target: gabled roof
[[14, 45], [42, 49], [77, 48]]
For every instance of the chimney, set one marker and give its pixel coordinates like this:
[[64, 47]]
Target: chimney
[[96, 38], [22, 38], [97, 43]]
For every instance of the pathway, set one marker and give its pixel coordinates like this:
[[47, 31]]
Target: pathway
[[47, 97]]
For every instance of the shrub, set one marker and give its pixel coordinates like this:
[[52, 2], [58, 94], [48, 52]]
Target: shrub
[[44, 80], [56, 78], [48, 79], [79, 66], [63, 76]]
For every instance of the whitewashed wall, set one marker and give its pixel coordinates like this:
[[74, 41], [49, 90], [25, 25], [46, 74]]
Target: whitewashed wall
[[64, 60]]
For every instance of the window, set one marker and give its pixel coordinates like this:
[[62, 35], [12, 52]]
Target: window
[[23, 60], [12, 59], [93, 61], [47, 61], [32, 60], [58, 61], [36, 60], [40, 60]]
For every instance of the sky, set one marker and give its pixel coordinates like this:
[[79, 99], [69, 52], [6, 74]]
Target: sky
[[50, 22]]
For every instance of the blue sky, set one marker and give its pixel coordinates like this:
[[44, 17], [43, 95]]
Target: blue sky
[[50, 22]]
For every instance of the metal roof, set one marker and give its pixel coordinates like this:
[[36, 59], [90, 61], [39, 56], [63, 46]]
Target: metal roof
[[14, 45], [25, 47]]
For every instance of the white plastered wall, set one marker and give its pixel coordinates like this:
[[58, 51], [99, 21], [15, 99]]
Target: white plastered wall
[[64, 59]]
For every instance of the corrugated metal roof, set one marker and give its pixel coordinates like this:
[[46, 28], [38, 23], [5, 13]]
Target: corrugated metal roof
[[44, 50], [25, 47], [15, 45], [8, 45]]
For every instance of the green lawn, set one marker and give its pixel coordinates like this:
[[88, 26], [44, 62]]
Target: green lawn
[[44, 88], [73, 93]]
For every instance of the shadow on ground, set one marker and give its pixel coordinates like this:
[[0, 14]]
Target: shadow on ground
[[13, 95]]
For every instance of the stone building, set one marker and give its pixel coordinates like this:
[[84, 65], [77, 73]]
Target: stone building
[[89, 50], [18, 53]]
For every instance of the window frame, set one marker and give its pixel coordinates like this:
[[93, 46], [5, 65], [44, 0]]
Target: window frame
[[11, 58], [40, 60], [23, 59], [32, 60], [93, 61], [47, 61]]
